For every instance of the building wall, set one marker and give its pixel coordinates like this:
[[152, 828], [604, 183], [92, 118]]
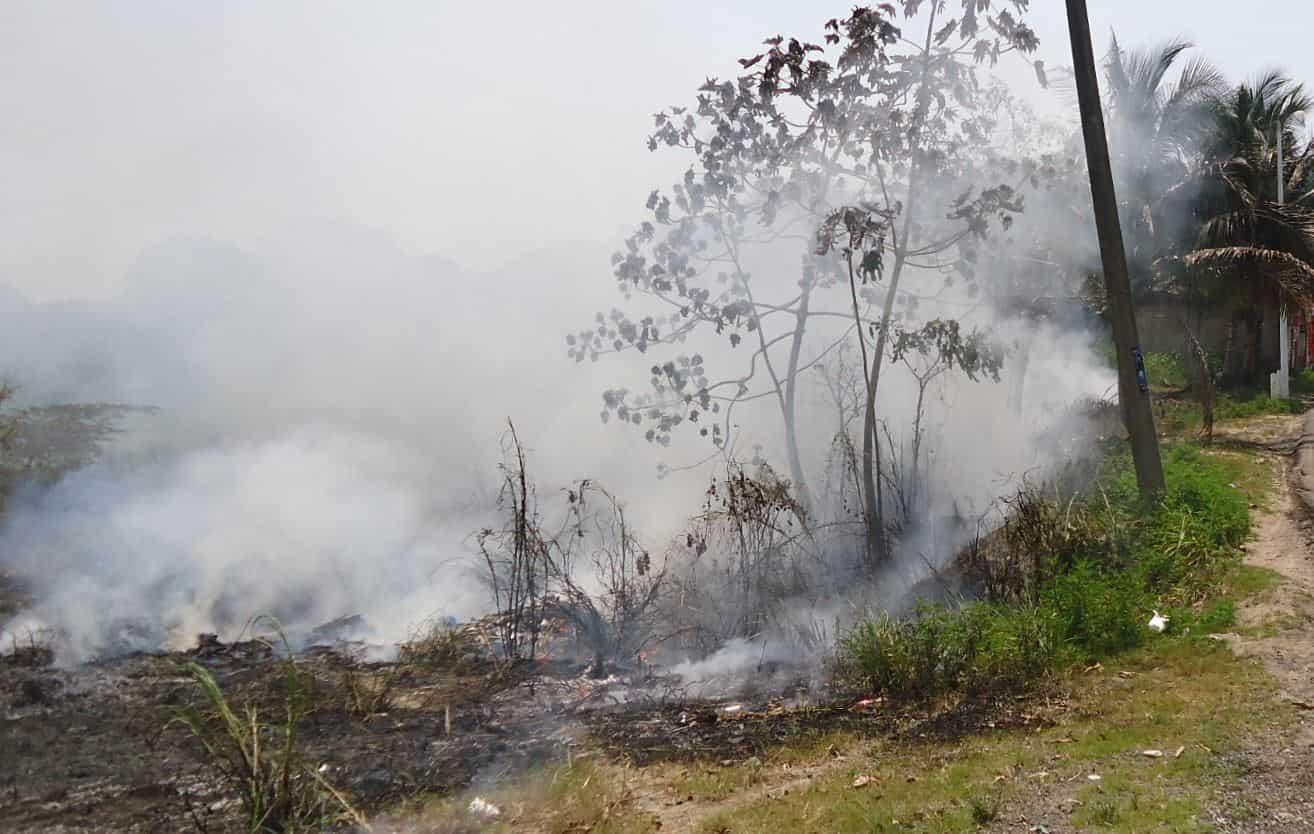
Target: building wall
[[1159, 326]]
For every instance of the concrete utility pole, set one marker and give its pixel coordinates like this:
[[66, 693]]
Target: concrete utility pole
[[1133, 385], [1279, 384]]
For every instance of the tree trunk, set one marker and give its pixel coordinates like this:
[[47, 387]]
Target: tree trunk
[[1208, 391], [877, 546], [1256, 347], [796, 473], [1229, 350], [1019, 377]]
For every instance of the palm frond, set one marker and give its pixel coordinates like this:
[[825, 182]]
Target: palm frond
[[1268, 86], [1288, 228], [1291, 277], [1198, 82], [1119, 84], [1147, 68]]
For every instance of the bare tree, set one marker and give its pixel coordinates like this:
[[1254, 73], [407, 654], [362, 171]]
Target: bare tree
[[517, 556], [806, 151]]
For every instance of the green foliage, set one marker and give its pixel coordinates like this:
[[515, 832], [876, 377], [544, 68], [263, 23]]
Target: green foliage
[[1177, 416], [1217, 617], [1099, 611], [1237, 406], [1166, 370], [1198, 485], [979, 647], [1085, 606], [1303, 382]]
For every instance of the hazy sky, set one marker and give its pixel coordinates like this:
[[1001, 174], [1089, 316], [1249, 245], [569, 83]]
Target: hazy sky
[[476, 130]]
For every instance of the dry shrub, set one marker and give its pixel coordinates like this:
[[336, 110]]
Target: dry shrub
[[370, 688], [742, 557], [614, 615], [436, 644], [517, 557], [534, 569], [1040, 538]]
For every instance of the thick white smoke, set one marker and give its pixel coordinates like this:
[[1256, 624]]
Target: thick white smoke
[[328, 429], [329, 426], [308, 527], [330, 411]]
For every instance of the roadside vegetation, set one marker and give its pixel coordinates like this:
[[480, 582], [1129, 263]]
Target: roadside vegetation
[[1082, 579], [1116, 727], [1146, 743]]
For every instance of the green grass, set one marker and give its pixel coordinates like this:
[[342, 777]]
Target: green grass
[[1178, 416], [1238, 405], [976, 648], [1251, 581], [1251, 472], [1178, 693]]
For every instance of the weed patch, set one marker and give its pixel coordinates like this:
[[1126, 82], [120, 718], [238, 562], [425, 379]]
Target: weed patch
[[1165, 370], [1088, 576], [261, 762]]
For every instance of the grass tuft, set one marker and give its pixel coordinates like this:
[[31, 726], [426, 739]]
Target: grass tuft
[[261, 761]]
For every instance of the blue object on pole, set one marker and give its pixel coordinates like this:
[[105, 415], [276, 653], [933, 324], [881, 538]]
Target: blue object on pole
[[1142, 378]]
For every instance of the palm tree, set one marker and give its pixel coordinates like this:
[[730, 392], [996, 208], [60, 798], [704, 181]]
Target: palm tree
[[1198, 167], [1159, 123], [1247, 246]]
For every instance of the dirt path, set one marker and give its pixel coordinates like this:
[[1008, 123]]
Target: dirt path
[[676, 813], [1277, 627], [1279, 624]]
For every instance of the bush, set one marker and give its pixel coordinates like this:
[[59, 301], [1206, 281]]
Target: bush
[[1165, 370], [1199, 499], [976, 648], [436, 644], [1303, 382], [1099, 612], [1104, 567]]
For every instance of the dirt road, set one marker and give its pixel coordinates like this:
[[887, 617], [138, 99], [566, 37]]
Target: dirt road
[[1277, 627]]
